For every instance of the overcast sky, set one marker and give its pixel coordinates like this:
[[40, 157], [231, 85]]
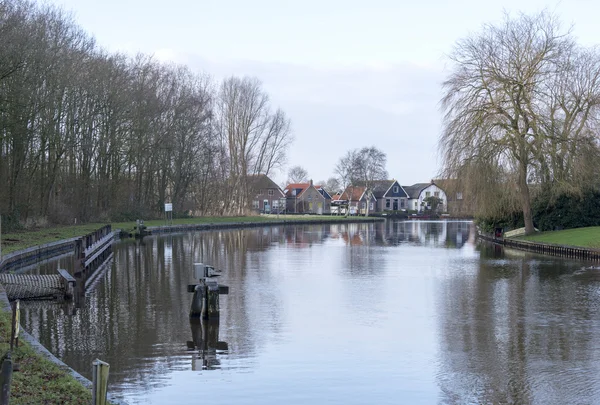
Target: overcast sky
[[348, 73]]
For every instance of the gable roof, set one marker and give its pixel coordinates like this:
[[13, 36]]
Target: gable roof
[[323, 192], [381, 187], [259, 182], [295, 186], [356, 192], [414, 190]]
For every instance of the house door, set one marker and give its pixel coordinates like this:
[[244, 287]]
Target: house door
[[266, 207], [395, 208]]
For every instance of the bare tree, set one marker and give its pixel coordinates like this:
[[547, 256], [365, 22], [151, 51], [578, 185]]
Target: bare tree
[[297, 174], [370, 166], [254, 139], [332, 185], [511, 101]]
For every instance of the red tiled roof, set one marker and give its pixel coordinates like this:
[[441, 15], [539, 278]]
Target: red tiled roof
[[293, 186], [352, 191]]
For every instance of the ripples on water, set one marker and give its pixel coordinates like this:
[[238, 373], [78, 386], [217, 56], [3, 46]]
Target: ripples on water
[[393, 313]]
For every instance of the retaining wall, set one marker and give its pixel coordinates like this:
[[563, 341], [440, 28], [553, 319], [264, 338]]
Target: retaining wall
[[572, 252], [232, 225]]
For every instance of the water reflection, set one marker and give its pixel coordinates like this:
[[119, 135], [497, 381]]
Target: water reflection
[[205, 344], [393, 312], [519, 329]]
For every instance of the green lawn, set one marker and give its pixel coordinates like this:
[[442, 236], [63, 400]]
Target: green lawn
[[24, 239], [585, 237]]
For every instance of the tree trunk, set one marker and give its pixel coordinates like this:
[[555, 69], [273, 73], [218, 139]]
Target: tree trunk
[[525, 199]]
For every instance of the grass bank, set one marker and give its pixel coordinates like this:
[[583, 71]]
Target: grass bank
[[583, 237], [39, 381], [23, 239]]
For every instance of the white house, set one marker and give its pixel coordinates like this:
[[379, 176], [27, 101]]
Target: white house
[[417, 193]]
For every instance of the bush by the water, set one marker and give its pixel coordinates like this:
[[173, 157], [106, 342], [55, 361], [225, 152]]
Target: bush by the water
[[552, 213], [567, 211]]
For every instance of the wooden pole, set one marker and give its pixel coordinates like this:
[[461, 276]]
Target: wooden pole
[[100, 382], [5, 379], [15, 324]]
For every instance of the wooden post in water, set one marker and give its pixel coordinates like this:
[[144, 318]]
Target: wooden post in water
[[212, 301], [205, 302], [100, 382]]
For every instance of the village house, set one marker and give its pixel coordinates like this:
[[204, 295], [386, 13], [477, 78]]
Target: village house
[[389, 195], [420, 192], [267, 197], [306, 198], [355, 199]]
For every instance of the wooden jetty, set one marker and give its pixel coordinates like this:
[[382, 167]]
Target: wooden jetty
[[91, 252]]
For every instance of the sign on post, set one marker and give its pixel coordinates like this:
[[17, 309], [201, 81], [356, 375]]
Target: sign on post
[[169, 213]]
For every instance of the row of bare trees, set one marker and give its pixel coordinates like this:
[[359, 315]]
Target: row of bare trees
[[521, 107], [89, 135]]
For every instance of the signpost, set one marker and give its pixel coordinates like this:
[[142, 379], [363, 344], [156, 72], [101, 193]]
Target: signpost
[[169, 213]]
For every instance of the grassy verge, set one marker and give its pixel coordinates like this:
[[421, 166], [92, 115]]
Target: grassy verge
[[39, 381], [21, 240], [584, 237]]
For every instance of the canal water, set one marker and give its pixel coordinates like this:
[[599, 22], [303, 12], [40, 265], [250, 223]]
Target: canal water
[[387, 313]]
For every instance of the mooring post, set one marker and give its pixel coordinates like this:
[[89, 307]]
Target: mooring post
[[5, 379], [205, 302], [211, 301], [197, 301], [100, 382]]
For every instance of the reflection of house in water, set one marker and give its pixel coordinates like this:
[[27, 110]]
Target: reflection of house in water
[[436, 233], [304, 235]]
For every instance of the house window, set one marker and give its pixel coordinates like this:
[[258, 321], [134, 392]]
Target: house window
[[459, 196], [270, 192], [255, 204], [396, 189], [309, 197], [402, 203], [416, 204], [275, 203], [371, 207], [427, 194], [387, 203], [364, 205], [437, 194]]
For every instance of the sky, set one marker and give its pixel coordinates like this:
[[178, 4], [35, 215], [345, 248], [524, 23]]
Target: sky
[[348, 73]]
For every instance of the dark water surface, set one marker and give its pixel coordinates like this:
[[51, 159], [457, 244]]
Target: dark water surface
[[394, 313]]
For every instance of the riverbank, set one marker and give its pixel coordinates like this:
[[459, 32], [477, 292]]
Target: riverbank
[[39, 379], [15, 241], [581, 237], [578, 243]]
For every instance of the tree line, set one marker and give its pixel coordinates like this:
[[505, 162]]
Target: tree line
[[90, 135], [521, 113]]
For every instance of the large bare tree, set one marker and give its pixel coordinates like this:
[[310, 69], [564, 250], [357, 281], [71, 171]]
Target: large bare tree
[[297, 174], [362, 167], [519, 102]]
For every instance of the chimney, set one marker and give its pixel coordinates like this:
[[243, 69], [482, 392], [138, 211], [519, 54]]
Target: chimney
[[311, 182]]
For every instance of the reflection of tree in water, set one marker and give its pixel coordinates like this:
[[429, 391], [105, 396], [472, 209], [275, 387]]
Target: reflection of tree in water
[[137, 319], [518, 330]]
